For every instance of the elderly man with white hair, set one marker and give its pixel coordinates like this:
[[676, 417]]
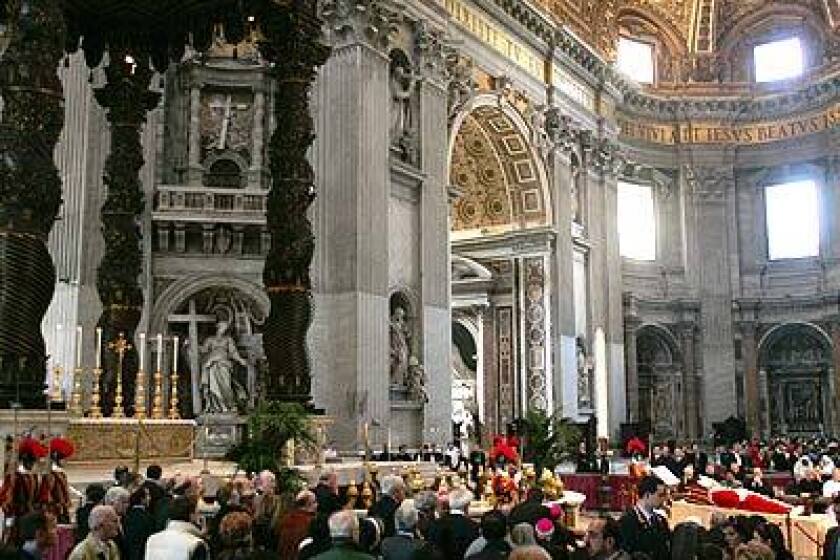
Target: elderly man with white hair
[[99, 544], [405, 544], [393, 493], [453, 533], [344, 532]]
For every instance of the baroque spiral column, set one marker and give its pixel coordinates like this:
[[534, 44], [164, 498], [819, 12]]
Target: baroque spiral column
[[127, 99], [292, 46], [30, 193]]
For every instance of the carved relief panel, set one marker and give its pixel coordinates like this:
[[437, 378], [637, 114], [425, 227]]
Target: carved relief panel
[[227, 122]]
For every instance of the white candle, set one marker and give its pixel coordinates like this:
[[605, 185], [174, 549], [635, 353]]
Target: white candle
[[78, 346], [59, 339], [98, 347], [142, 350], [159, 351], [175, 354]]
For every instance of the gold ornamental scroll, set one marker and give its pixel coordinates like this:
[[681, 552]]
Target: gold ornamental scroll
[[730, 133]]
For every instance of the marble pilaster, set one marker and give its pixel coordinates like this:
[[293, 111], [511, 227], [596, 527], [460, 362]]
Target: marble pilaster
[[631, 326], [689, 389], [436, 272], [710, 188], [255, 172], [565, 368], [195, 170], [350, 158], [614, 309]]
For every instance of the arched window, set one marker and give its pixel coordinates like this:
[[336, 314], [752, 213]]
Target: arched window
[[636, 60], [224, 174]]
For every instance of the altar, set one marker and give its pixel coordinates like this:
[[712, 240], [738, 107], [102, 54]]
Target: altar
[[126, 439]]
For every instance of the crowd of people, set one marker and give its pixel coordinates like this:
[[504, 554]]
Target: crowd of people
[[182, 518]]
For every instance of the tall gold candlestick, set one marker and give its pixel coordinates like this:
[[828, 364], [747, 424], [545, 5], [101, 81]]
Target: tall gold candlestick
[[55, 394], [119, 411], [119, 347], [157, 406], [140, 395], [173, 382], [95, 410], [173, 397], [76, 396]]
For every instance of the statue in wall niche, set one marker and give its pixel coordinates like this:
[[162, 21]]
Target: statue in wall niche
[[403, 82], [415, 381], [584, 369], [400, 348], [219, 390]]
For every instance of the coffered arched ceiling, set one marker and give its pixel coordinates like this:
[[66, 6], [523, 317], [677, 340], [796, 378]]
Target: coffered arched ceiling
[[700, 24], [493, 168]]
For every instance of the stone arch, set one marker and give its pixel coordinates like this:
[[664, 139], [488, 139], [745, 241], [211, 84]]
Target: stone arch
[[669, 42], [226, 157], [773, 21], [776, 333], [181, 290], [795, 379], [660, 373], [492, 161]]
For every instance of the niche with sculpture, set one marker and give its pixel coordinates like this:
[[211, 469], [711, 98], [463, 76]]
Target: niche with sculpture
[[403, 86], [221, 349], [407, 376]]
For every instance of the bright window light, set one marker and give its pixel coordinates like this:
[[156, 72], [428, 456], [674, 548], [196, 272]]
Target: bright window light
[[793, 220], [779, 60], [636, 222], [635, 59]]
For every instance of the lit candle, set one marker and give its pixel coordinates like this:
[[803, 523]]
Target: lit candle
[[142, 350], [98, 347], [160, 351], [78, 346], [175, 354]]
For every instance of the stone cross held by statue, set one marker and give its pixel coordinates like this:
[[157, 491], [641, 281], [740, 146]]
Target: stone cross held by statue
[[229, 107]]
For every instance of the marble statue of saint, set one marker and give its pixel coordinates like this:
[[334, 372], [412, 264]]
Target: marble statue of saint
[[399, 347], [403, 82], [220, 391], [415, 381]]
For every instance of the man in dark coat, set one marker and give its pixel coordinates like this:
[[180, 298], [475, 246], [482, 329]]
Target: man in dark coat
[[642, 528], [139, 524], [393, 493], [94, 494], [453, 533], [494, 531], [154, 485], [326, 493], [530, 511], [831, 547], [405, 544]]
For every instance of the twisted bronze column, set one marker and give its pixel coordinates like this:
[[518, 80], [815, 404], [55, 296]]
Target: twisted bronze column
[[30, 193], [127, 99], [292, 45]]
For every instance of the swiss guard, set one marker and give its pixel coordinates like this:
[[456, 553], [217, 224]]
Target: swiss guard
[[54, 493], [19, 493]]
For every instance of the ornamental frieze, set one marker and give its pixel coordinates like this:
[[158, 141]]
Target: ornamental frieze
[[730, 133]]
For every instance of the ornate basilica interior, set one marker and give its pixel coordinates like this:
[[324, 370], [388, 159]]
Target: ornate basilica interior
[[621, 212]]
